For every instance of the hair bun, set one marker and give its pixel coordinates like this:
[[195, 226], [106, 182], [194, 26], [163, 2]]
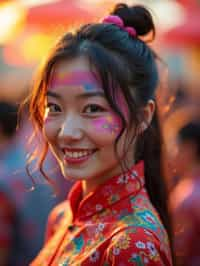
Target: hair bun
[[136, 16]]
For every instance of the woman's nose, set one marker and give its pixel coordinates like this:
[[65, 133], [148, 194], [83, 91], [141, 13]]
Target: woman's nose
[[71, 128]]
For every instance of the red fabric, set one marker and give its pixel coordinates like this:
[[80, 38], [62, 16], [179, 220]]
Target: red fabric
[[114, 225], [60, 13]]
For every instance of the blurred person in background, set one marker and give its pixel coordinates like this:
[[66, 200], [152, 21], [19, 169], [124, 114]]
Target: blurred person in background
[[23, 212], [185, 198]]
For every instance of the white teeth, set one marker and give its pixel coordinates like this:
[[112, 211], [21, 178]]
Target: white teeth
[[75, 154]]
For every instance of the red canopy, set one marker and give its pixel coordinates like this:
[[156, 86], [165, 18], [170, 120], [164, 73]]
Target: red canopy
[[57, 13], [189, 3], [188, 32]]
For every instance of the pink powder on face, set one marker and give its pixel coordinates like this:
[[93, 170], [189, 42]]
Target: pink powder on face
[[108, 124], [78, 78]]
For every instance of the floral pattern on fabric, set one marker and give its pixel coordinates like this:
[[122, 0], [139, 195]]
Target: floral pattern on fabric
[[114, 225], [135, 247]]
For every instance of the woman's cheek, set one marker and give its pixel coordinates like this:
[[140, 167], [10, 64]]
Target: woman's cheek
[[105, 129], [48, 128]]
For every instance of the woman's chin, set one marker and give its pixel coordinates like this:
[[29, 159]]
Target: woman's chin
[[73, 174]]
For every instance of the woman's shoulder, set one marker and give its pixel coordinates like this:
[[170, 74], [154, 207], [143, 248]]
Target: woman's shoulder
[[142, 238], [144, 214], [137, 245]]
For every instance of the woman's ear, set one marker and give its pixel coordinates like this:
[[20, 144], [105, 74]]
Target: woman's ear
[[147, 115]]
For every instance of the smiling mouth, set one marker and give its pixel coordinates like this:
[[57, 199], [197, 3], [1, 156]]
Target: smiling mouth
[[77, 155]]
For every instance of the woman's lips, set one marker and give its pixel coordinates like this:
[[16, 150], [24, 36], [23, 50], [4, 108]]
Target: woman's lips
[[77, 156]]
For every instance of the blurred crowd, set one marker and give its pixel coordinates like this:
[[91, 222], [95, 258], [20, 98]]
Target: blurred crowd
[[25, 204]]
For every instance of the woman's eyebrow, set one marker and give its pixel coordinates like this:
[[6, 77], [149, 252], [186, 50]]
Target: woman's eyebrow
[[91, 94], [53, 94]]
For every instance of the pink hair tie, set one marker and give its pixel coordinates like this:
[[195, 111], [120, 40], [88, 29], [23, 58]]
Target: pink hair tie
[[113, 19]]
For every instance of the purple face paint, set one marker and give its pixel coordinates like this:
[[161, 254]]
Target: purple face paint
[[108, 124], [79, 78]]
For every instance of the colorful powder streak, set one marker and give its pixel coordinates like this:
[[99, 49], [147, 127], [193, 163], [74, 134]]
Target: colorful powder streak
[[107, 124], [78, 78]]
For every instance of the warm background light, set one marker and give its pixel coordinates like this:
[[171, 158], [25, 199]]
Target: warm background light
[[24, 51], [36, 2], [30, 27], [11, 18]]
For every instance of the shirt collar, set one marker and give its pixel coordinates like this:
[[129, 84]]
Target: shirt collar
[[107, 194]]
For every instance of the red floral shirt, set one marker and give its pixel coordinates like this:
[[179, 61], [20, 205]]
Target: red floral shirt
[[114, 225]]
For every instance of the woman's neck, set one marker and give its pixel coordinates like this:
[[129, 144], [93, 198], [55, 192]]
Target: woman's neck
[[90, 184]]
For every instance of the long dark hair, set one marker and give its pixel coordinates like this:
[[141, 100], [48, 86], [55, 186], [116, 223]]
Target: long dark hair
[[124, 62]]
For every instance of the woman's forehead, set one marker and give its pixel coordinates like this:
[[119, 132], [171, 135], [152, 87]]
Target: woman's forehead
[[75, 72], [74, 78]]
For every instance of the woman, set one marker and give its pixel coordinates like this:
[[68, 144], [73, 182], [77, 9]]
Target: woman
[[95, 104]]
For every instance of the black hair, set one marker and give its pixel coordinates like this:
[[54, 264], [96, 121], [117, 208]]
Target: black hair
[[8, 118], [124, 62], [191, 133]]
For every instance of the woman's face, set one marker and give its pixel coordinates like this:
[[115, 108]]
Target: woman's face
[[80, 126]]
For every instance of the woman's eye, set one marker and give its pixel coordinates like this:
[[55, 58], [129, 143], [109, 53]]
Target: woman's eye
[[93, 108], [53, 108]]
